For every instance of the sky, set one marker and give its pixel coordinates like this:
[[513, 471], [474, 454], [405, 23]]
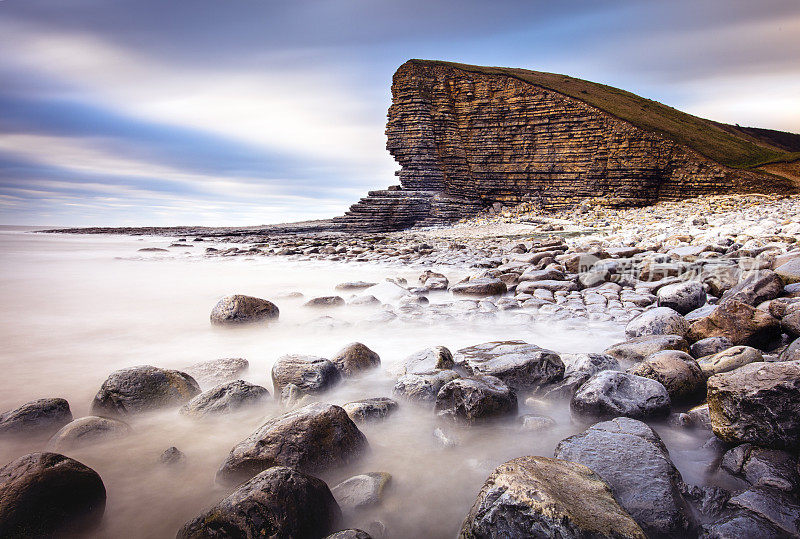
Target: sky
[[248, 112]]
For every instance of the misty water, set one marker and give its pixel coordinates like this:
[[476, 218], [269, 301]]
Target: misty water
[[76, 308]]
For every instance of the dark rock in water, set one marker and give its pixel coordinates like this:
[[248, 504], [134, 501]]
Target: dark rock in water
[[141, 389], [518, 364], [477, 398], [632, 459], [153, 250], [729, 359], [577, 369], [350, 534], [658, 321], [87, 431], [677, 371], [758, 403], [639, 348], [542, 497], [763, 286], [423, 387], [610, 394], [742, 524], [47, 494], [480, 287], [218, 371], [428, 361], [310, 374], [776, 506], [763, 467], [354, 358], [792, 352], [354, 285], [172, 456], [239, 309], [709, 346], [361, 491], [709, 503], [370, 409], [682, 297], [225, 398], [738, 322], [325, 301], [279, 502], [313, 439], [37, 418]]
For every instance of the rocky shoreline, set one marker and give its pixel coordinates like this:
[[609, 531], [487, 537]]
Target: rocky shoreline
[[707, 292]]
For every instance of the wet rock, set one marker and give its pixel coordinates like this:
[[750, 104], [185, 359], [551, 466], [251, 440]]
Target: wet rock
[[428, 361], [423, 387], [611, 394], [790, 324], [657, 321], [709, 346], [361, 491], [518, 364], [630, 457], [536, 423], [225, 398], [528, 287], [638, 348], [484, 286], [313, 439], [47, 494], [789, 272], [739, 323], [310, 374], [142, 389], [350, 534], [325, 301], [729, 359], [741, 524], [279, 502], [474, 399], [370, 409], [709, 503], [577, 369], [239, 309], [775, 506], [542, 497], [172, 456], [682, 297], [218, 371], [677, 371], [758, 403], [762, 467], [792, 352], [762, 286], [87, 431], [354, 358], [37, 418]]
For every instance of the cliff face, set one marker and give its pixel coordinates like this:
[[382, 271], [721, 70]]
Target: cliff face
[[466, 139]]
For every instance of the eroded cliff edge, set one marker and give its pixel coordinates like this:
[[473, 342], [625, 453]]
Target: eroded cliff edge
[[467, 136]]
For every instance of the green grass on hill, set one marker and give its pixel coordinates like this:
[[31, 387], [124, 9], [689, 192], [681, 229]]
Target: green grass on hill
[[729, 145]]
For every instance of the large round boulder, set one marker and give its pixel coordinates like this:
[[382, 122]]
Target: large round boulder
[[577, 369], [142, 389], [485, 286], [239, 309], [37, 418], [423, 387], [543, 497], [657, 321], [639, 348], [520, 365], [225, 398], [354, 358], [428, 361], [610, 394], [278, 502], [47, 494], [682, 297], [739, 323], [729, 359], [313, 439], [474, 399], [310, 374], [87, 431], [362, 491], [677, 371]]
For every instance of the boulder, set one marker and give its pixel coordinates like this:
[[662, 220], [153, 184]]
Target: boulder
[[225, 398], [542, 497], [47, 494], [361, 491], [577, 369], [610, 394], [630, 457], [548, 274], [729, 359], [739, 323], [370, 409], [428, 361], [354, 358], [278, 502], [310, 374], [239, 309], [638, 348], [790, 324], [87, 431], [518, 364], [528, 287], [352, 533], [741, 524], [762, 286], [481, 287], [37, 418], [757, 403], [762, 467], [779, 508], [657, 321], [709, 346], [217, 371], [791, 352], [677, 371], [474, 399], [789, 272], [682, 297], [354, 285], [325, 301], [313, 439], [423, 387], [142, 389]]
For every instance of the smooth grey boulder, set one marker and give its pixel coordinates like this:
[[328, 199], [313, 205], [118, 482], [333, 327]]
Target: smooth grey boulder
[[729, 359], [709, 346], [142, 389], [577, 369], [682, 297], [313, 439], [423, 387], [239, 309], [778, 507], [543, 497], [41, 417], [484, 286], [657, 321], [677, 371], [218, 371], [278, 502], [475, 399], [518, 364], [88, 431], [610, 394], [753, 290], [310, 374], [763, 467], [361, 491], [370, 409], [428, 361], [355, 358], [742, 524], [47, 494], [225, 398], [638, 348], [630, 457]]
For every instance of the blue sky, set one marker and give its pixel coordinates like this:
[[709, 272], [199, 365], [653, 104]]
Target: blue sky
[[244, 112]]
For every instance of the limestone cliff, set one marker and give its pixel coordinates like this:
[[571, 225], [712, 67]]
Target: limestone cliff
[[467, 137]]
